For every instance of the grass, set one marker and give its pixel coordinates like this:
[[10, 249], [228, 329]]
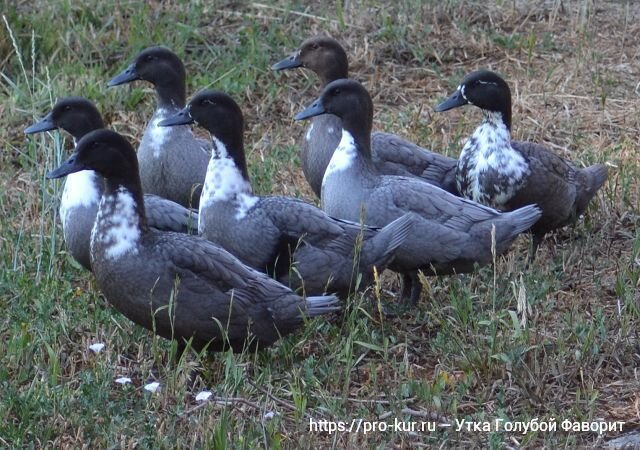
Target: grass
[[558, 340]]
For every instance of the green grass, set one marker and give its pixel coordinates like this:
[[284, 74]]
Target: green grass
[[465, 353]]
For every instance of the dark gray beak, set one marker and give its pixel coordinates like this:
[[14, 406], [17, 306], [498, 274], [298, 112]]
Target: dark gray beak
[[315, 109], [290, 62], [456, 99], [44, 124], [126, 76], [69, 166], [182, 117]]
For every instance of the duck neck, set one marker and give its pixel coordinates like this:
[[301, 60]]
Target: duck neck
[[491, 136], [84, 125], [359, 128], [353, 154], [120, 222], [171, 93], [333, 72], [502, 112], [227, 177], [129, 196]]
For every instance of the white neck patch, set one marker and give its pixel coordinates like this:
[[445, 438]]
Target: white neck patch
[[80, 190], [343, 156], [225, 182], [308, 135], [117, 225], [158, 135]]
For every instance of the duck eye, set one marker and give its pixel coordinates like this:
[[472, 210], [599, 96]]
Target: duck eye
[[67, 108], [315, 46], [336, 91]]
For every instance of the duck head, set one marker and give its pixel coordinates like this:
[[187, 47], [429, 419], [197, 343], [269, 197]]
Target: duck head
[[484, 89], [351, 102], [76, 115], [106, 152], [321, 54], [221, 116], [160, 67], [346, 99]]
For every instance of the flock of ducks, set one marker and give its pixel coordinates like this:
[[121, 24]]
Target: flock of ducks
[[241, 270]]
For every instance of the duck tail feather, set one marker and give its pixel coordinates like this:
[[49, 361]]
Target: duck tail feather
[[322, 304], [524, 218]]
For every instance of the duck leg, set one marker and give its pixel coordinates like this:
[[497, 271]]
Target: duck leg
[[536, 240], [407, 287], [411, 288], [416, 289]]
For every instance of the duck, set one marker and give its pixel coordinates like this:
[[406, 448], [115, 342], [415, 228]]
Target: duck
[[451, 234], [505, 174], [390, 154], [82, 190], [173, 162], [179, 286], [292, 240]]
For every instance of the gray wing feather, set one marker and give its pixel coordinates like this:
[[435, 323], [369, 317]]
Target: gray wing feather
[[166, 215]]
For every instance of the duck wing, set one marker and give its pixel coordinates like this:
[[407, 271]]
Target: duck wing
[[396, 156], [166, 215], [213, 283], [300, 220]]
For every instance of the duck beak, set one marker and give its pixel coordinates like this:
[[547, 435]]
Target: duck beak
[[290, 62], [456, 99], [71, 165], [44, 124], [126, 76], [315, 109], [182, 117]]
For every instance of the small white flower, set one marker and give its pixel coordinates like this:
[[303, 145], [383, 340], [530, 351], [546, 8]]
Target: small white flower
[[268, 415], [96, 348], [152, 387], [123, 380], [203, 396]]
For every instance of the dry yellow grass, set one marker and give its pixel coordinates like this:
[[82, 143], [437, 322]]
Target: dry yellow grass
[[574, 70]]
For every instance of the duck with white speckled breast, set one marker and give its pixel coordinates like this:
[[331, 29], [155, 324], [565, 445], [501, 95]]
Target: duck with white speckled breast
[[505, 174], [284, 236], [451, 235], [179, 286], [83, 190]]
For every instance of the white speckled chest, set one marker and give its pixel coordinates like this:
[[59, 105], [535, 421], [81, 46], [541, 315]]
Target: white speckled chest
[[489, 170], [224, 183], [117, 226]]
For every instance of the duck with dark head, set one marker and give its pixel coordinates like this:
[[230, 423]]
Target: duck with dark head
[[296, 242], [505, 174], [173, 162], [83, 190], [451, 234], [391, 154], [182, 287]]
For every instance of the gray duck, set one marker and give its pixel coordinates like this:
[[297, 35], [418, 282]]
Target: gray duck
[[296, 242], [505, 174], [173, 162], [390, 154], [83, 190], [180, 286], [451, 234]]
